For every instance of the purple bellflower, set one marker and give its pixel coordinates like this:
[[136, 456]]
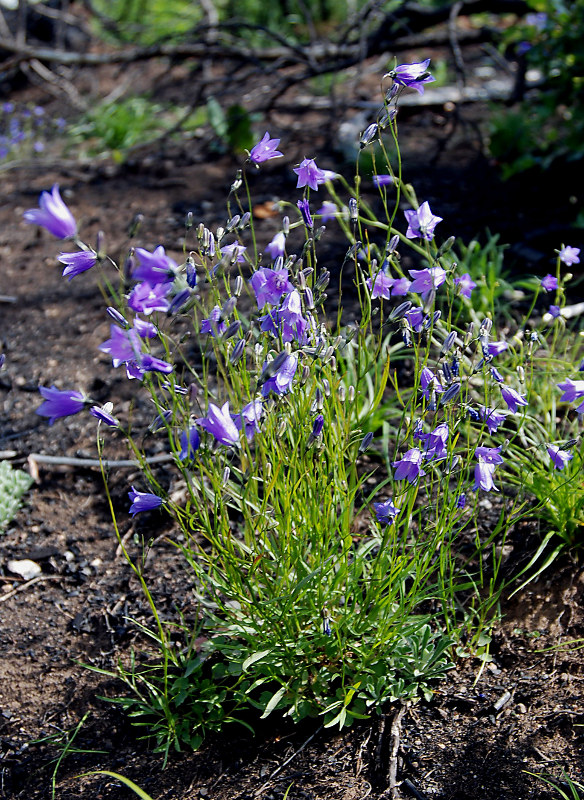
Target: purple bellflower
[[558, 456], [76, 263], [265, 150], [59, 403], [103, 414], [549, 283], [281, 381], [219, 424], [147, 298], [435, 442], [415, 316], [309, 174], [234, 252], [277, 246], [383, 180], [554, 311], [270, 285], [293, 324], [429, 382], [249, 418], [154, 267], [488, 458], [190, 441], [214, 324], [569, 255], [573, 390], [328, 211], [125, 347], [465, 284], [492, 418], [496, 348], [304, 208], [425, 280], [385, 512], [409, 466], [143, 501], [53, 215], [412, 75], [421, 222], [512, 398], [380, 286]]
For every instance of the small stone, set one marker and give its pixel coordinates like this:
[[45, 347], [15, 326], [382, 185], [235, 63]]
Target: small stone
[[521, 708], [26, 568]]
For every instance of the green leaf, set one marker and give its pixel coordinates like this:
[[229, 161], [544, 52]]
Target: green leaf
[[130, 784], [274, 700], [253, 658]]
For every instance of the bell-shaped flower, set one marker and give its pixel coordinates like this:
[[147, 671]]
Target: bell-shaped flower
[[76, 263], [265, 150], [190, 442], [270, 285], [59, 403], [143, 501], [154, 267], [412, 75], [558, 456], [512, 398], [421, 223], [386, 512], [219, 424], [281, 381], [309, 174], [409, 467], [53, 215]]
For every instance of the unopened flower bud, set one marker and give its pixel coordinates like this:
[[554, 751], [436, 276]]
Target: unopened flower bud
[[117, 317], [448, 342], [135, 225], [286, 225], [368, 135], [178, 301], [191, 272], [226, 474], [100, 245], [351, 393], [366, 441], [326, 387], [450, 394], [392, 245], [305, 374], [237, 351], [189, 220], [446, 246], [341, 391], [308, 298], [400, 311], [237, 182], [238, 286], [521, 373], [486, 325], [232, 223], [232, 329], [271, 367], [353, 210], [228, 307], [319, 399], [322, 281]]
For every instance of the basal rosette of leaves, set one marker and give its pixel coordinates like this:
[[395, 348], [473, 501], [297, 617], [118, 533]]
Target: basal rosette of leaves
[[325, 478]]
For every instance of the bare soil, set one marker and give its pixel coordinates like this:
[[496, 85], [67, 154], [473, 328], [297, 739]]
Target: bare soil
[[484, 729]]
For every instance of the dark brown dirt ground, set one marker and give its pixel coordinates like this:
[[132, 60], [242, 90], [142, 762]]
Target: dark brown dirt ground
[[465, 743]]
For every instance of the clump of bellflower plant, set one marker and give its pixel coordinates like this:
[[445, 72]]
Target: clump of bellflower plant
[[26, 130], [322, 469]]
